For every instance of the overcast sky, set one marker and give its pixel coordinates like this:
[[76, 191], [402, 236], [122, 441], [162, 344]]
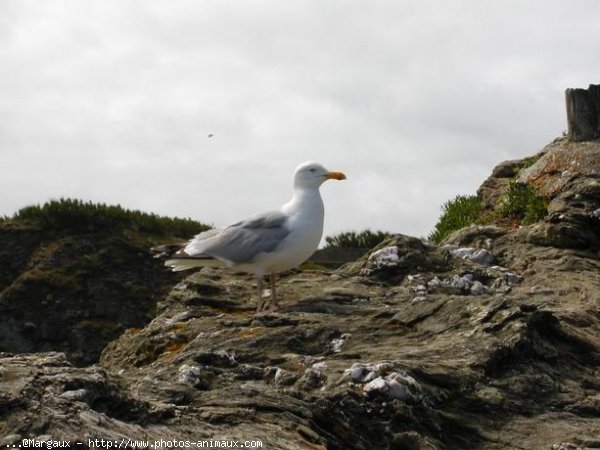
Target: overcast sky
[[416, 101]]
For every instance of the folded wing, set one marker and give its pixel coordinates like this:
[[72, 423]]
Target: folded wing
[[237, 244]]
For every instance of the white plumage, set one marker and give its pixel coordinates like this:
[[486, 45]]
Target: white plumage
[[270, 242]]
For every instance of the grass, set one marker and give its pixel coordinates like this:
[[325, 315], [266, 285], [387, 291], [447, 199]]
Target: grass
[[457, 213], [520, 206], [523, 204], [78, 215]]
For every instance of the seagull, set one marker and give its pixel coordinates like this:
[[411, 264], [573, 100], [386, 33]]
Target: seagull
[[266, 243]]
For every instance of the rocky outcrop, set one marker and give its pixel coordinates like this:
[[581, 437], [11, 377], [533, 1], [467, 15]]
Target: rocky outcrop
[[490, 340], [75, 292], [351, 360], [569, 174], [492, 191]]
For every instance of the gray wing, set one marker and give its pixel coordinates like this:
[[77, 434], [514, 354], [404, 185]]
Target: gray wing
[[241, 242]]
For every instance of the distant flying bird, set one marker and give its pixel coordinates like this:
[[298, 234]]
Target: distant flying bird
[[269, 242], [210, 135]]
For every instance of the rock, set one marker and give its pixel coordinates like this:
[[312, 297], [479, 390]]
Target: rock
[[403, 387], [10, 440], [359, 373], [477, 288], [314, 377], [380, 370], [568, 174], [512, 279], [378, 386], [191, 375], [284, 377], [397, 257], [476, 236], [492, 190], [385, 257], [55, 296], [480, 256], [396, 385], [337, 344]]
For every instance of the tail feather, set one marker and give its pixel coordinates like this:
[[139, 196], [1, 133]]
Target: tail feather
[[179, 264]]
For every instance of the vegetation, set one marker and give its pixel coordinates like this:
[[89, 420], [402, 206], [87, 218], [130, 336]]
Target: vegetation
[[77, 215], [458, 213], [523, 204], [351, 239]]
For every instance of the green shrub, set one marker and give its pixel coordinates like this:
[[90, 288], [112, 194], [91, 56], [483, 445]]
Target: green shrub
[[77, 215], [458, 213], [351, 239], [523, 204]]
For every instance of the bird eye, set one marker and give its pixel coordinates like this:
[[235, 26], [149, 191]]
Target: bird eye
[[312, 169]]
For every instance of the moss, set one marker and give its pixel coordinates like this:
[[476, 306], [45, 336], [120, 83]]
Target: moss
[[250, 333], [173, 347], [457, 213], [98, 325], [49, 279]]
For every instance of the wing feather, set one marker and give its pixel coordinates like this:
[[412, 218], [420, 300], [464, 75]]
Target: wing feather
[[243, 241]]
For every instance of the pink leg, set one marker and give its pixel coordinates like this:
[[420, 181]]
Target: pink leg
[[260, 304], [273, 279]]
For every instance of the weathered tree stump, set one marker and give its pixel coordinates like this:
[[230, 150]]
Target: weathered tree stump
[[583, 113]]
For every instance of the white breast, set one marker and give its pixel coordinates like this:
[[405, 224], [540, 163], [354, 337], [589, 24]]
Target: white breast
[[306, 214]]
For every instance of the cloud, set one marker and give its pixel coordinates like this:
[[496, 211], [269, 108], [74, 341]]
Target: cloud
[[416, 101]]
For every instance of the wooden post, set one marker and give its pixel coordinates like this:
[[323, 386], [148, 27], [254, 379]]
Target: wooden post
[[583, 113]]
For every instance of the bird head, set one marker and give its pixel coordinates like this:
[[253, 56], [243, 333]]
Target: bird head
[[312, 174]]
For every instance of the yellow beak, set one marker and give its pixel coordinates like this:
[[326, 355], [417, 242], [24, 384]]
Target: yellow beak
[[335, 176]]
